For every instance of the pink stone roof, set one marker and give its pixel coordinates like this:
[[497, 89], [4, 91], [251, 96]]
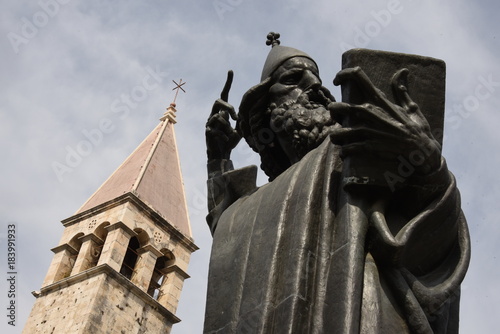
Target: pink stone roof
[[152, 172]]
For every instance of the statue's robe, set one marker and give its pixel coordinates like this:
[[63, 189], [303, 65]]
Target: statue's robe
[[287, 258]]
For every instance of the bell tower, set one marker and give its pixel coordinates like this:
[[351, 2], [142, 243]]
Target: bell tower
[[123, 256]]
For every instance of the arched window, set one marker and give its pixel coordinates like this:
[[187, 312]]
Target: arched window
[[162, 263], [95, 253], [130, 258], [67, 257], [75, 243]]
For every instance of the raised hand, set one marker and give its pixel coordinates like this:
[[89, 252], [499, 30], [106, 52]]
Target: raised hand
[[381, 129], [221, 137]]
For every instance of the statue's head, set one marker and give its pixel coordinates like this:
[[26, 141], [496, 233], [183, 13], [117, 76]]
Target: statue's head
[[286, 115]]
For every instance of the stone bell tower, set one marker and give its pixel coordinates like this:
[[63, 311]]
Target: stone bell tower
[[123, 256]]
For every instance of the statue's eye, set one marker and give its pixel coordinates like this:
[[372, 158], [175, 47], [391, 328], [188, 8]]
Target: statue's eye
[[291, 78]]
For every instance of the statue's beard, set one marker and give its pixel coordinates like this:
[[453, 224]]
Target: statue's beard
[[304, 123]]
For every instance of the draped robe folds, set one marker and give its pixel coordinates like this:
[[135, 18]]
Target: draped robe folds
[[285, 260]]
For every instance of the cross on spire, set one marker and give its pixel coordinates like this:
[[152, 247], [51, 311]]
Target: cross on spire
[[176, 88]]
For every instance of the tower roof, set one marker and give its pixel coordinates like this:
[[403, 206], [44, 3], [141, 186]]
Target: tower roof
[[152, 173]]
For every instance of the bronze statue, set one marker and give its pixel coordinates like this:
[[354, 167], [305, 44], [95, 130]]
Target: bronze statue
[[359, 229]]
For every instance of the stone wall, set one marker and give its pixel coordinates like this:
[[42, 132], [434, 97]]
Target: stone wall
[[104, 303]]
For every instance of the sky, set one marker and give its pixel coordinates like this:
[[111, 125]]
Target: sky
[[70, 66]]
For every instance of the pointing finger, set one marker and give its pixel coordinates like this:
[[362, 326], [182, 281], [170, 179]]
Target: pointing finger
[[225, 91]]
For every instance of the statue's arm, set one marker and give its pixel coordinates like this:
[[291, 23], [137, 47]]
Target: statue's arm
[[225, 185], [223, 189], [416, 222], [221, 138]]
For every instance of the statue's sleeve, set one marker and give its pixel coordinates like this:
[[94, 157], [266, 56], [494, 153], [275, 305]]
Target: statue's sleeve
[[225, 185], [429, 253]]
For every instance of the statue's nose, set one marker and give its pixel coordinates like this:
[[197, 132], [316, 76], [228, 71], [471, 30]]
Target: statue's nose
[[310, 80]]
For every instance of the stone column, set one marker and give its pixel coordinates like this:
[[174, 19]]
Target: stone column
[[61, 264], [116, 245], [171, 288], [145, 266], [89, 253]]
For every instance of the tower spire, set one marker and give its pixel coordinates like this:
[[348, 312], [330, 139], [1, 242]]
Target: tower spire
[[123, 256]]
